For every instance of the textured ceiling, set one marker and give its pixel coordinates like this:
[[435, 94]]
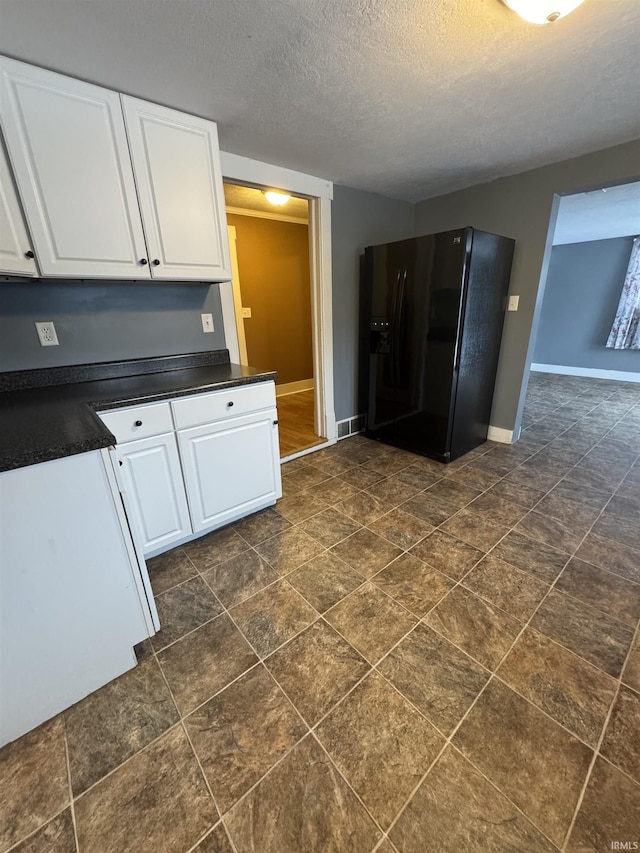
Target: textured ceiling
[[252, 199], [598, 215], [409, 98]]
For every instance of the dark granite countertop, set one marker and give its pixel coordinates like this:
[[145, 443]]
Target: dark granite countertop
[[42, 420]]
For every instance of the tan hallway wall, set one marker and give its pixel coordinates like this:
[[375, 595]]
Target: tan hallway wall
[[273, 263]]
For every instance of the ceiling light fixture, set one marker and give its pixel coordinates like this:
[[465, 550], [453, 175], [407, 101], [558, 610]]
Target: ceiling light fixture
[[275, 197], [542, 11]]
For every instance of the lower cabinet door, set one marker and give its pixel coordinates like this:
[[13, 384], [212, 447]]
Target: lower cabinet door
[[231, 468], [149, 471]]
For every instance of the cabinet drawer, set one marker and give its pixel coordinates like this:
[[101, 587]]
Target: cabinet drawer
[[228, 403], [138, 421]]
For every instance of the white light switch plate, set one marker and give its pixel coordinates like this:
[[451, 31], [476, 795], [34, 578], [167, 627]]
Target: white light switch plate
[[47, 333], [513, 303], [207, 322], [246, 313]]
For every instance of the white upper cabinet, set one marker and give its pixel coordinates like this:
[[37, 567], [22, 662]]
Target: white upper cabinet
[[176, 163], [68, 148], [16, 254]]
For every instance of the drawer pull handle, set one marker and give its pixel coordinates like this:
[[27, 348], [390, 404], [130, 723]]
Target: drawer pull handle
[[275, 423], [230, 403], [138, 423]]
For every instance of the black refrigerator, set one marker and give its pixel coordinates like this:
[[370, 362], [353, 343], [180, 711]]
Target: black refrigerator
[[432, 310]]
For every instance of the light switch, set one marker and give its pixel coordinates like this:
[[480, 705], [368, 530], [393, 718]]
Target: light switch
[[246, 313], [513, 303], [207, 322]]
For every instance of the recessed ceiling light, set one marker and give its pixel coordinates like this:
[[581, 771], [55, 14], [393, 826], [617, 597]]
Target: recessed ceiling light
[[275, 197], [542, 11]]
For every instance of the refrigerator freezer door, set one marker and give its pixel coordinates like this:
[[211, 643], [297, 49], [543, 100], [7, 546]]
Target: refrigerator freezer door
[[383, 273]]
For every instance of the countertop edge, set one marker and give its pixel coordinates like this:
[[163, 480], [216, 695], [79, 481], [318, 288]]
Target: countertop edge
[[102, 437], [200, 388]]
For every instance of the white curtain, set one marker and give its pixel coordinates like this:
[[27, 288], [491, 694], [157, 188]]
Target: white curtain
[[625, 332]]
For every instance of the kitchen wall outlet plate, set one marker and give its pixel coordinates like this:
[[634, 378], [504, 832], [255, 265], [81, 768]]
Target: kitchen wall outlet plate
[[47, 333], [513, 303], [207, 322], [246, 313]]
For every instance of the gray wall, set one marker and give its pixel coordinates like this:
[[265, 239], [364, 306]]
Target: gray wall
[[581, 296], [358, 219], [104, 321], [521, 206]]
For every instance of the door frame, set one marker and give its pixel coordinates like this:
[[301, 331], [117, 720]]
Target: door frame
[[319, 193]]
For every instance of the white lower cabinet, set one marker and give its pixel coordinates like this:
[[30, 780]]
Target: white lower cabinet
[[222, 463], [149, 473], [231, 468]]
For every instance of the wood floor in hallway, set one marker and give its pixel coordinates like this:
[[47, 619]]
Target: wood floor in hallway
[[295, 423]]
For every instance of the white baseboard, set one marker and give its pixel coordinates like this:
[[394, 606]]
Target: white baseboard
[[595, 373], [504, 436], [295, 387]]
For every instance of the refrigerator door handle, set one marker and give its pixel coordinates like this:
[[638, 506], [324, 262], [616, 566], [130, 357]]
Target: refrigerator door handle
[[397, 349], [393, 328]]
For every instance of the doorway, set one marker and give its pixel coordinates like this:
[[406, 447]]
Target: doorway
[[270, 248], [590, 242]]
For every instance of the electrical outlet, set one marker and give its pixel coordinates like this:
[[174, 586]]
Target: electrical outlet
[[513, 303], [246, 313], [207, 322], [47, 334]]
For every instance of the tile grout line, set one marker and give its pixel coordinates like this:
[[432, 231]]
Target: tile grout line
[[596, 752], [14, 846], [493, 673], [405, 551], [71, 796], [484, 491], [370, 579], [181, 723]]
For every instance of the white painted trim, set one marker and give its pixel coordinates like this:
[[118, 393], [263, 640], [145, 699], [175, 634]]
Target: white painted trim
[[231, 299], [228, 322], [265, 214], [295, 387], [134, 548], [595, 373], [246, 171], [306, 451], [322, 315], [504, 436]]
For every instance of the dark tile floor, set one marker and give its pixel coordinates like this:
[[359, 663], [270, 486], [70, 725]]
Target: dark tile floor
[[401, 656]]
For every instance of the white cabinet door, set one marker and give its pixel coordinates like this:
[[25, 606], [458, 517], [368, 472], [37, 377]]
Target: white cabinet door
[[149, 472], [176, 162], [231, 468], [15, 247], [68, 148]]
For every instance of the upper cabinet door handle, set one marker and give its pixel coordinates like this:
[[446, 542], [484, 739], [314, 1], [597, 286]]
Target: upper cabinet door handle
[[143, 261], [29, 254], [156, 262]]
